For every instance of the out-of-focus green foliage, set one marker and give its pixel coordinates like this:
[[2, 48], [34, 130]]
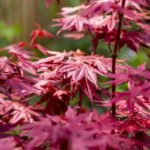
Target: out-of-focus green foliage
[[8, 33], [134, 58]]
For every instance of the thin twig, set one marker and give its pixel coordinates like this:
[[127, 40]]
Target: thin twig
[[114, 56]]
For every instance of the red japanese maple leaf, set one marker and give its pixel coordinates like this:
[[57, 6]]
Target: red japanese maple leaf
[[42, 33], [89, 128]]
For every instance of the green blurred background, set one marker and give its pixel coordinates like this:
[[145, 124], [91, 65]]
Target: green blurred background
[[18, 19]]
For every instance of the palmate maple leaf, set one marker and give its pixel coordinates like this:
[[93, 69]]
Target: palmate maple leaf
[[111, 6], [98, 23], [48, 66], [135, 124], [82, 71], [7, 68], [71, 20], [71, 23], [23, 57], [78, 71], [75, 18], [13, 80], [81, 74], [133, 39], [137, 127], [134, 76], [87, 67], [27, 65], [138, 105], [23, 113], [81, 18], [18, 50], [136, 98], [84, 131], [54, 59], [101, 17], [15, 112], [20, 87]]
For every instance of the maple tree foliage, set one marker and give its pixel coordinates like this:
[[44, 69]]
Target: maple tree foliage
[[42, 99]]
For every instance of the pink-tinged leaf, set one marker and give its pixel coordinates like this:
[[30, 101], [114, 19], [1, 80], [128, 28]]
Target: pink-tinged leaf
[[73, 23], [145, 27], [8, 143], [141, 107], [41, 48], [54, 58], [75, 36], [90, 75], [101, 22], [136, 75], [135, 124], [43, 128], [135, 5], [8, 68], [27, 65], [141, 2], [61, 93], [79, 71], [71, 20], [99, 7], [81, 67], [21, 87], [23, 113], [89, 91], [130, 14], [18, 113], [70, 10], [18, 50], [89, 130], [70, 113], [135, 100]]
